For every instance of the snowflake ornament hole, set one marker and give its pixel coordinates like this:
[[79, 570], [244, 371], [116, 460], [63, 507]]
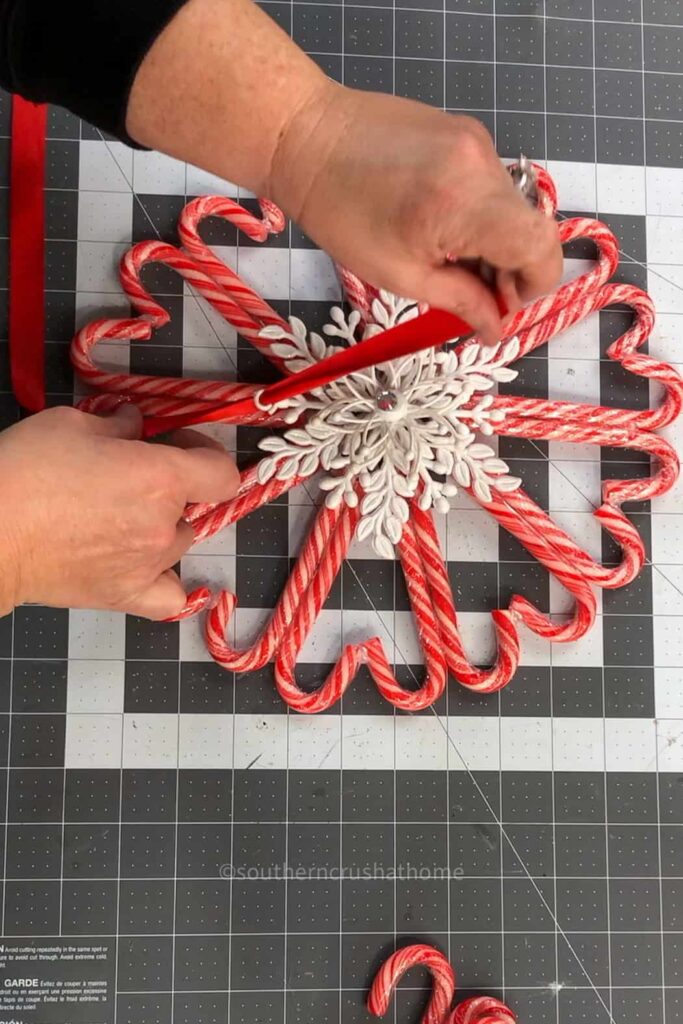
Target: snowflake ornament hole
[[402, 430], [389, 402]]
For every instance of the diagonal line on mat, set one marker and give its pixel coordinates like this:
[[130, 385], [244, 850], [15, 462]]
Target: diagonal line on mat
[[487, 803]]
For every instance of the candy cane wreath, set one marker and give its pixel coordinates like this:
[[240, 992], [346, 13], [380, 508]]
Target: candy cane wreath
[[394, 443]]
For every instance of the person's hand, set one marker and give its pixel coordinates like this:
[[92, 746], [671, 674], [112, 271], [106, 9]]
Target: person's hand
[[398, 192], [92, 517], [392, 189]]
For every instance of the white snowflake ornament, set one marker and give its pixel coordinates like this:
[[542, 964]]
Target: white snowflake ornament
[[404, 428]]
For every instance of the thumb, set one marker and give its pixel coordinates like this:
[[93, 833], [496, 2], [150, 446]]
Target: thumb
[[163, 600], [458, 290], [124, 423]]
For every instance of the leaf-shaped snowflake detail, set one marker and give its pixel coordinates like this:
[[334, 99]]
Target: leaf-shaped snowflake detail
[[405, 428]]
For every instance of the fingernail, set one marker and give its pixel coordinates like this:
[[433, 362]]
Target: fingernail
[[121, 402]]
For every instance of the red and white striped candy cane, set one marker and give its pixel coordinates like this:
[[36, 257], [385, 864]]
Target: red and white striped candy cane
[[403, 960], [546, 192], [238, 304], [298, 607], [158, 395], [482, 1010], [371, 652], [310, 580], [508, 641], [258, 229], [479, 1010], [428, 549]]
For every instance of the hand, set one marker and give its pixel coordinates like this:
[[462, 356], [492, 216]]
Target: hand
[[392, 189], [388, 187], [92, 517]]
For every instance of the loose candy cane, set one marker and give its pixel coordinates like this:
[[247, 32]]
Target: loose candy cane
[[403, 960], [479, 1010], [482, 1010]]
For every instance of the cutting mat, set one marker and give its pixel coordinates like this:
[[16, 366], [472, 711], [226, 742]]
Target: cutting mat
[[180, 850]]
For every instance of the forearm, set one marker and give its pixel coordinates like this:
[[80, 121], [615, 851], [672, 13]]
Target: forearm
[[221, 88], [390, 188], [79, 54], [216, 83]]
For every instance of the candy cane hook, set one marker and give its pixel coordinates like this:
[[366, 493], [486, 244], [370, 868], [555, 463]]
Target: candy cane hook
[[479, 1010]]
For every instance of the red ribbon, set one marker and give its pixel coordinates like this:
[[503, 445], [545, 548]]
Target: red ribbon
[[27, 253], [435, 327]]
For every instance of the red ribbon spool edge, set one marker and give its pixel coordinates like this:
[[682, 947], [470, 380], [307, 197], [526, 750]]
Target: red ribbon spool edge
[[27, 253]]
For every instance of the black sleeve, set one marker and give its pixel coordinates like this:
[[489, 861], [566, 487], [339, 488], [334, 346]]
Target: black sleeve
[[80, 54]]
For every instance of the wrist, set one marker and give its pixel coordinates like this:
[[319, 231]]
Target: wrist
[[223, 98], [306, 145]]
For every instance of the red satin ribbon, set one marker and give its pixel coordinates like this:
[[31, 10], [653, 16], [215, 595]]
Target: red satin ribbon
[[27, 253], [435, 327]]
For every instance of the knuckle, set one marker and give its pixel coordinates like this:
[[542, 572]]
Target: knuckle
[[232, 478], [164, 478], [474, 140], [155, 537], [64, 416], [463, 307], [165, 536], [155, 530], [418, 211], [117, 598], [460, 304], [465, 142]]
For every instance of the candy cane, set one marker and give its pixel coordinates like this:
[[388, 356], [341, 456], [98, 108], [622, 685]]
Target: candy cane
[[482, 1010], [403, 960], [479, 1010]]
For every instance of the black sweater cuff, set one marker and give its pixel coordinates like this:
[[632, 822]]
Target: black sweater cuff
[[80, 54]]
